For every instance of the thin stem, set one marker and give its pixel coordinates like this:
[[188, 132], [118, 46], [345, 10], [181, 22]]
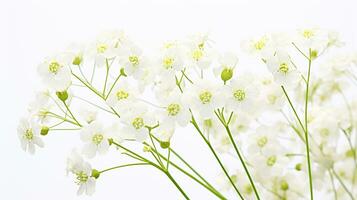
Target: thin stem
[[206, 184], [70, 112], [226, 126], [342, 184], [106, 76], [194, 123], [333, 184], [302, 53], [176, 184], [94, 105], [293, 108], [111, 88], [306, 127], [122, 166], [154, 165]]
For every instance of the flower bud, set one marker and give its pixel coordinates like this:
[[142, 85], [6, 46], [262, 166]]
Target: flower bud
[[44, 130], [122, 72], [95, 173], [284, 185], [164, 144], [226, 74], [313, 54], [77, 60], [63, 96]]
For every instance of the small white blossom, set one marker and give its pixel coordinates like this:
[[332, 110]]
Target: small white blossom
[[95, 138], [82, 172], [29, 135], [55, 73]]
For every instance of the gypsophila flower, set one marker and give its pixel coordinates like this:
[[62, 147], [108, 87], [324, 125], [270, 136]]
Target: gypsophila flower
[[82, 172], [95, 138], [55, 73], [29, 135]]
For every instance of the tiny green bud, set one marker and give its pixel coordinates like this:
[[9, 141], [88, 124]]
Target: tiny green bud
[[110, 140], [284, 185], [77, 60], [122, 72], [95, 173], [63, 96], [44, 130], [164, 144], [298, 166], [226, 74], [313, 54]]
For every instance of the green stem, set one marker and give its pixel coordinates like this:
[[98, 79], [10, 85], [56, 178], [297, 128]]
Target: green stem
[[122, 166], [306, 127], [206, 184], [176, 184], [242, 161], [106, 76], [70, 112], [342, 184], [194, 123], [154, 165], [111, 88]]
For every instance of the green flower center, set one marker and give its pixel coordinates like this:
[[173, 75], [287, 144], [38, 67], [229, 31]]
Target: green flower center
[[205, 97], [28, 134], [260, 44], [97, 138], [134, 60], [82, 177], [173, 109], [168, 62], [308, 34], [262, 141], [53, 67], [121, 94], [284, 68], [239, 95], [138, 123], [197, 54], [101, 48], [271, 160]]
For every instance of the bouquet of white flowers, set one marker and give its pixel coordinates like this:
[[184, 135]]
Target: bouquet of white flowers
[[289, 123]]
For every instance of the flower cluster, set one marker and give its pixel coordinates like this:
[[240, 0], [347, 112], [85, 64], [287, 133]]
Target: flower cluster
[[289, 124]]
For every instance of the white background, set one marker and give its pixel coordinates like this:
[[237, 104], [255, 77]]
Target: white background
[[32, 29]]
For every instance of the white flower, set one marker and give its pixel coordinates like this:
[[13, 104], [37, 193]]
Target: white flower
[[55, 73], [175, 111], [133, 61], [312, 38], [135, 120], [260, 46], [242, 94], [122, 95], [82, 172], [283, 70], [29, 135], [106, 47], [199, 54], [95, 138], [204, 97], [171, 58]]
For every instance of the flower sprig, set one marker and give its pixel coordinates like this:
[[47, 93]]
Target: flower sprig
[[289, 127]]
